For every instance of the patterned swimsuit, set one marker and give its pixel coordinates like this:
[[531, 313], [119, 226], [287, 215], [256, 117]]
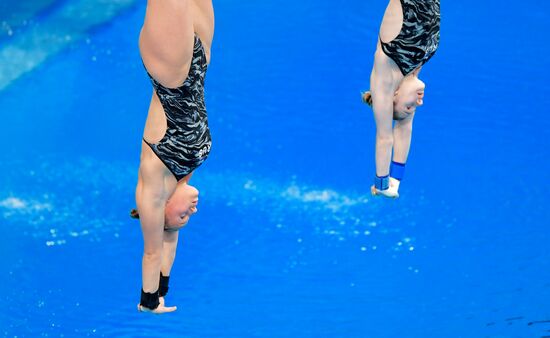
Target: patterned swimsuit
[[187, 141], [419, 36]]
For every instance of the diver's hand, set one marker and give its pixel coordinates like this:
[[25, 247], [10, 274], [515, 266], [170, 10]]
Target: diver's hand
[[391, 192], [159, 310]]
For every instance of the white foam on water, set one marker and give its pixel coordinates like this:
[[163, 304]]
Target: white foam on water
[[15, 204], [74, 209], [301, 209], [330, 199]]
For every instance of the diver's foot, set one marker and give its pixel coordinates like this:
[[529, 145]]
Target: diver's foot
[[388, 193], [159, 310]]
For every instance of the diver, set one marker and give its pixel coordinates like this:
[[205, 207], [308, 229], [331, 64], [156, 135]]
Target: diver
[[408, 38], [175, 43]]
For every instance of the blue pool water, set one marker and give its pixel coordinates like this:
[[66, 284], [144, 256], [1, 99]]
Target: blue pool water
[[288, 242]]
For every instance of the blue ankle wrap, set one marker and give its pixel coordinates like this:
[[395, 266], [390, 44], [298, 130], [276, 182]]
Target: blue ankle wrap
[[382, 183], [397, 170]]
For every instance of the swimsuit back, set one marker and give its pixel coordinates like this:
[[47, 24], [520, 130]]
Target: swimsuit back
[[418, 39], [187, 141]]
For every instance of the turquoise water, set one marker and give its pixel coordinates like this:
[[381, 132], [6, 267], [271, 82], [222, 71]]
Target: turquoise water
[[288, 242]]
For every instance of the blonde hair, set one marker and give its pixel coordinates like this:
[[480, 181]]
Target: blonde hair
[[366, 97]]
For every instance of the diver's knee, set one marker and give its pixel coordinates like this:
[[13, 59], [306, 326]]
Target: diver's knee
[[384, 139], [152, 255]]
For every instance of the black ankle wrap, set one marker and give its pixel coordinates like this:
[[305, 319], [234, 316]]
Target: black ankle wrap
[[163, 285], [149, 300]]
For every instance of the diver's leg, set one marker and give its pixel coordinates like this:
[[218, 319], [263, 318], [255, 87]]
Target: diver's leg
[[402, 135], [156, 184], [170, 243], [166, 40], [169, 247]]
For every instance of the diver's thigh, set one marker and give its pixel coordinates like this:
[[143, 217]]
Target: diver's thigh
[[166, 41], [392, 21]]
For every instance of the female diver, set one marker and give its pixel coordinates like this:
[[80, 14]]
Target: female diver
[[409, 37], [175, 45]]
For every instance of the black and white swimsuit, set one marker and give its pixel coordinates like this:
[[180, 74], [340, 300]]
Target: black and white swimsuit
[[187, 141], [419, 36]]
